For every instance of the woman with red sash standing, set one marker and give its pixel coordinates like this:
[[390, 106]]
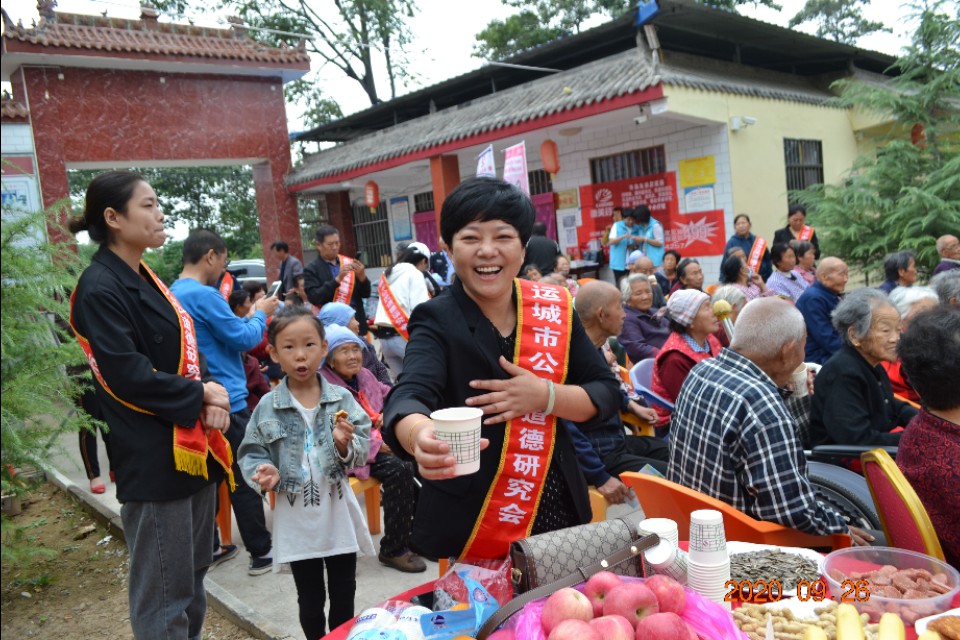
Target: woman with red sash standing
[[402, 287], [166, 423], [798, 229], [515, 349]]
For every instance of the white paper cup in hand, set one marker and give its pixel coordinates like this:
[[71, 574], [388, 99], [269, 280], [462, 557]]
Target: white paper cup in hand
[[800, 381], [460, 428]]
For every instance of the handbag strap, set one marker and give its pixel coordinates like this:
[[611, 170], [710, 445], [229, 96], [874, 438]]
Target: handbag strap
[[582, 574]]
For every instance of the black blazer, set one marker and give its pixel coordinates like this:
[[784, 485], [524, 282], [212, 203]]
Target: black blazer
[[785, 236], [135, 337], [452, 343], [854, 403], [321, 286]]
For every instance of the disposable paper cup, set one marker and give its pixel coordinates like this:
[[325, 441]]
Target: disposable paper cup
[[663, 527], [800, 381], [708, 540], [460, 428], [665, 559]]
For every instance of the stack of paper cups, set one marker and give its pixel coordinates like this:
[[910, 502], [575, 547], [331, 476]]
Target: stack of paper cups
[[664, 558], [708, 564], [663, 527]]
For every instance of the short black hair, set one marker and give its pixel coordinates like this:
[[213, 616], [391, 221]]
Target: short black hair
[[930, 354], [326, 230], [539, 229], [801, 247], [796, 208], [673, 252], [682, 267], [741, 215], [280, 245], [289, 314], [894, 262], [237, 297], [483, 199], [642, 213], [199, 243], [254, 286], [777, 251], [730, 269]]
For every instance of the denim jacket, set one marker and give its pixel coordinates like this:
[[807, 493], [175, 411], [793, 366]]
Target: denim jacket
[[275, 435]]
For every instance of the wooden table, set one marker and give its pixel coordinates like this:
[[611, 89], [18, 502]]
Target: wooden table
[[584, 269]]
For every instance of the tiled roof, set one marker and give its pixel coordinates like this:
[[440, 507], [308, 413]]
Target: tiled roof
[[617, 75], [598, 81], [12, 109], [147, 36]]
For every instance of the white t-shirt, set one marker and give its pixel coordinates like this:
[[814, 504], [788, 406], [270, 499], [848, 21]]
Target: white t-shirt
[[323, 519]]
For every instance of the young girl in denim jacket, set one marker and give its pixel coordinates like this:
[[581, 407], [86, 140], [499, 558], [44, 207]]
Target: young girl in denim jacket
[[300, 441]]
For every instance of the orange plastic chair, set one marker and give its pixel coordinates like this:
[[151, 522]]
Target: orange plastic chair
[[638, 426], [905, 521], [664, 499]]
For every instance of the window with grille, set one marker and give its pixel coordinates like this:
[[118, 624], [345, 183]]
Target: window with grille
[[630, 164], [804, 163], [423, 201], [372, 232], [540, 182]]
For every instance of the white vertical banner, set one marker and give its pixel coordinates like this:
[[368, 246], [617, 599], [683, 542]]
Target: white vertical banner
[[485, 163], [515, 167]]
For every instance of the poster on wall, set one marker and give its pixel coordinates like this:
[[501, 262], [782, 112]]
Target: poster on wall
[[695, 172], [400, 219], [698, 198], [485, 166], [695, 234], [515, 167]]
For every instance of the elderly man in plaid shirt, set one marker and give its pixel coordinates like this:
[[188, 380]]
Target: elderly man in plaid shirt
[[732, 436]]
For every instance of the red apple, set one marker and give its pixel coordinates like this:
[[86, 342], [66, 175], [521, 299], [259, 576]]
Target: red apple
[[597, 588], [613, 627], [574, 630], [663, 626], [632, 600], [669, 592], [565, 604]]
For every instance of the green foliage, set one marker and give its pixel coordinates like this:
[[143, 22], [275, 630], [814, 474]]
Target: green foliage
[[37, 393], [317, 108], [358, 37], [218, 198], [905, 195], [839, 20]]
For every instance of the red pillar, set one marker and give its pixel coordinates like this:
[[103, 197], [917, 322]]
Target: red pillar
[[445, 174], [341, 217], [277, 214]]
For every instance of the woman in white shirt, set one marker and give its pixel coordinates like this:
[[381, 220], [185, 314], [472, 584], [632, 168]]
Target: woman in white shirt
[[402, 287]]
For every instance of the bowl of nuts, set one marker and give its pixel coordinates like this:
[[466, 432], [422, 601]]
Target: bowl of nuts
[[880, 579]]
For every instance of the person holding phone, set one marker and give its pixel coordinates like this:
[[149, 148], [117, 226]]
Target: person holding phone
[[333, 277]]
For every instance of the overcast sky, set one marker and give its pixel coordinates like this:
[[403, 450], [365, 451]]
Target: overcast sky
[[444, 35]]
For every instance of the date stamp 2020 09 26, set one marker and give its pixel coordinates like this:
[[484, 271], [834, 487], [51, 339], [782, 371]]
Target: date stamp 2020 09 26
[[759, 591]]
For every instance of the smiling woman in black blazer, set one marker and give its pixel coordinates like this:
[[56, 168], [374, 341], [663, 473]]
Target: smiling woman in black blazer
[[165, 421], [461, 352]]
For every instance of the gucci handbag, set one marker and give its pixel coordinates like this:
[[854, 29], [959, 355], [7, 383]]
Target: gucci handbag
[[546, 563]]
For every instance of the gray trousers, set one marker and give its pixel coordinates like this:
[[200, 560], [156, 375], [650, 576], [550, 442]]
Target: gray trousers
[[393, 350], [170, 545]]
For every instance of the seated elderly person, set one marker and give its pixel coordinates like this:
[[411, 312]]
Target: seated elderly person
[[346, 316], [947, 286], [598, 305], [930, 448], [817, 303], [644, 330], [692, 329], [343, 367], [689, 275], [784, 281], [734, 271], [735, 298], [644, 265], [900, 270], [948, 246], [853, 403], [733, 438], [909, 301]]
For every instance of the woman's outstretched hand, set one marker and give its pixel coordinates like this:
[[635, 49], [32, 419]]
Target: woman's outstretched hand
[[519, 395]]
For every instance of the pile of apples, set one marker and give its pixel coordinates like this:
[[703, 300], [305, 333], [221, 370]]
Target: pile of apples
[[613, 609]]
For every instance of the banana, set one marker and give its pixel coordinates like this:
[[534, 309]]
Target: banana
[[891, 627], [848, 623], [814, 633]]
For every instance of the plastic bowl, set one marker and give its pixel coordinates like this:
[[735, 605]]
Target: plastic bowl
[[845, 572]]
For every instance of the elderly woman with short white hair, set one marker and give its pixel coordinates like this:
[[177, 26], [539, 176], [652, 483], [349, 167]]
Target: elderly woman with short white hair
[[736, 299], [644, 330], [853, 403], [909, 301]]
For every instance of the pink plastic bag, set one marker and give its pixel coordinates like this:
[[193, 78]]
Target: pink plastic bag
[[707, 618]]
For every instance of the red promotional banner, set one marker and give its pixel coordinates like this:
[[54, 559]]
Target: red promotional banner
[[695, 234]]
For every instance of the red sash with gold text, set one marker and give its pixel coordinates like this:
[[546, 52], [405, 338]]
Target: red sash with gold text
[[226, 285], [806, 233], [544, 325], [192, 443], [393, 309], [345, 290], [756, 254]]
